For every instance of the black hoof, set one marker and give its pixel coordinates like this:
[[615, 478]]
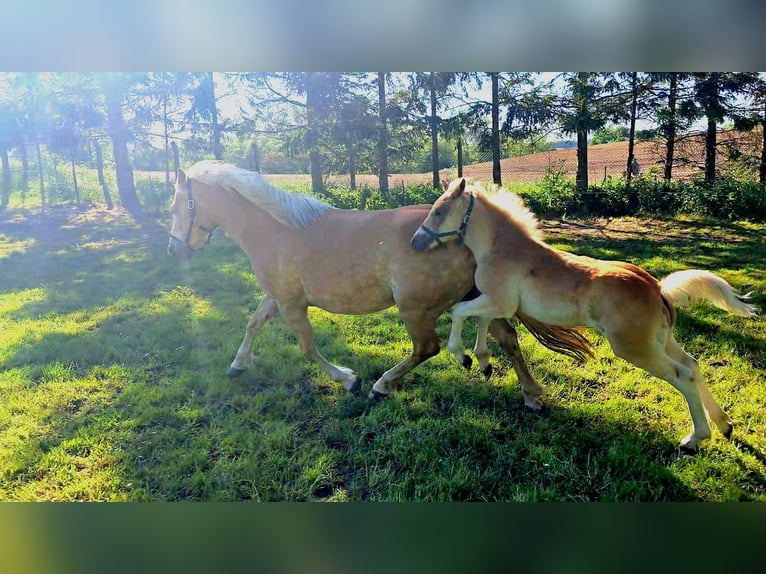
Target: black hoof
[[376, 397], [691, 451], [467, 362], [356, 386], [727, 432], [487, 372], [234, 372]]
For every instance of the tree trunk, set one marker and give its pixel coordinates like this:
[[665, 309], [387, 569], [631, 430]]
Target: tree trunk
[[74, 181], [434, 121], [351, 150], [100, 171], [256, 156], [40, 174], [5, 192], [582, 160], [24, 168], [632, 131], [118, 132], [176, 158], [496, 176], [762, 167], [710, 149], [382, 137], [217, 147], [460, 156], [671, 133], [168, 186], [313, 97]]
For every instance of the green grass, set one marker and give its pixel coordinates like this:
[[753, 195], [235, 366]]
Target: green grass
[[112, 384]]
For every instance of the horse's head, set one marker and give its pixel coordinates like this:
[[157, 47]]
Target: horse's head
[[190, 229], [447, 219]]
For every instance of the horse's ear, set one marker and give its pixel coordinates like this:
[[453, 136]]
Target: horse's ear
[[445, 185], [181, 178], [460, 187]]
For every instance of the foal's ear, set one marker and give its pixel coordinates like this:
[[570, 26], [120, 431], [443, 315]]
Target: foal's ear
[[445, 185], [181, 179], [458, 187]]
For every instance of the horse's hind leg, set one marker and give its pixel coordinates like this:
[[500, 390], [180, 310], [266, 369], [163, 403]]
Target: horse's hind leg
[[508, 339], [296, 317], [717, 414], [425, 344], [267, 309], [658, 363]]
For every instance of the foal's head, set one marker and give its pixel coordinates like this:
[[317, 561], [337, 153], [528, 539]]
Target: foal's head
[[190, 228], [447, 219]]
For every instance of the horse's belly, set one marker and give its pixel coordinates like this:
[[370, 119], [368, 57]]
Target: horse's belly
[[350, 299]]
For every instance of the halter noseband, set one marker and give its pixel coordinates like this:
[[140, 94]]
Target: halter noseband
[[192, 218], [460, 233]]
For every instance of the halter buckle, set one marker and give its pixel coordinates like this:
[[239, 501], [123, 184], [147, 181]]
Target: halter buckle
[[190, 204]]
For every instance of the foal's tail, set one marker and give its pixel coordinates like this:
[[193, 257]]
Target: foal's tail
[[684, 287]]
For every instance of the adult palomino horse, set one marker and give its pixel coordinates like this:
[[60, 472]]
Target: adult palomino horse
[[305, 252], [518, 273]]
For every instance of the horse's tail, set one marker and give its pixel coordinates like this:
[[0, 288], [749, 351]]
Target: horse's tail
[[684, 287], [569, 342]]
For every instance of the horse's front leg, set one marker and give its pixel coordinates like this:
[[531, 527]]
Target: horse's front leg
[[480, 349], [482, 307], [296, 317], [267, 309]]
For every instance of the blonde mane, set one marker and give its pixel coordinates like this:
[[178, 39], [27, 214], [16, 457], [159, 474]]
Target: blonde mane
[[293, 209], [509, 204]]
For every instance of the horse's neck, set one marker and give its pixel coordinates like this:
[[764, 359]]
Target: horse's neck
[[245, 222]]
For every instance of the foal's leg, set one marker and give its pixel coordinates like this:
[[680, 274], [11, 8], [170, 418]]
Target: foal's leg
[[425, 344], [717, 414], [296, 317], [661, 365], [267, 309], [508, 339], [480, 349], [482, 306]]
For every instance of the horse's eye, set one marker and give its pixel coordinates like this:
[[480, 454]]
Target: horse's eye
[[438, 213]]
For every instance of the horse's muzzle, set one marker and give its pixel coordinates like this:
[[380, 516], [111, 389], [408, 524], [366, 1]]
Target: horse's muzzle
[[179, 249], [421, 241]]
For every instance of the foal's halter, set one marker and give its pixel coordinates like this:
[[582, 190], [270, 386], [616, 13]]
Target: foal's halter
[[459, 233], [192, 218]]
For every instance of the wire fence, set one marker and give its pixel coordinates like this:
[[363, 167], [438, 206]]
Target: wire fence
[[604, 160]]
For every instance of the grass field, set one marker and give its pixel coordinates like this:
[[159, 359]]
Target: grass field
[[112, 386]]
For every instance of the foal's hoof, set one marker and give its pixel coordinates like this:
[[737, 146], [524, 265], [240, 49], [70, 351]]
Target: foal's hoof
[[376, 397], [356, 385], [466, 362], [487, 371], [234, 372], [727, 431], [691, 450]]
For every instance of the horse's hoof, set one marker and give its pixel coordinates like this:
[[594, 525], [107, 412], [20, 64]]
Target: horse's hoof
[[688, 449], [376, 397], [727, 432], [466, 362], [487, 372], [234, 372], [533, 404], [356, 386]]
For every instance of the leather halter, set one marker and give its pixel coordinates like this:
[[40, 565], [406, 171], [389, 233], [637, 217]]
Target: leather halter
[[459, 233], [192, 218]]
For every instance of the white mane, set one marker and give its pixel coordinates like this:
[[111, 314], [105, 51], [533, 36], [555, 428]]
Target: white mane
[[293, 209], [511, 204]]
